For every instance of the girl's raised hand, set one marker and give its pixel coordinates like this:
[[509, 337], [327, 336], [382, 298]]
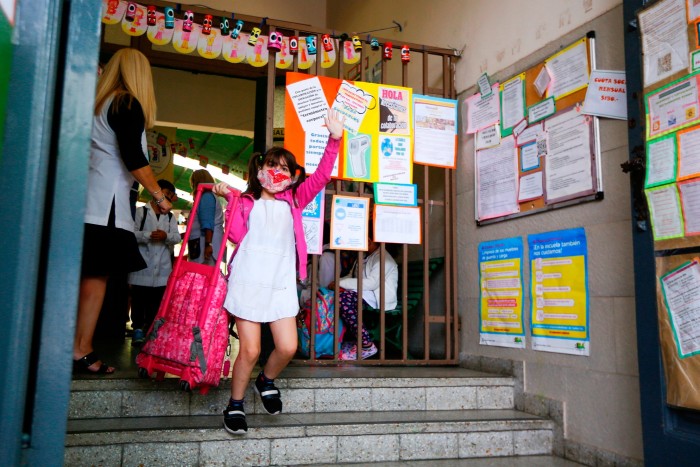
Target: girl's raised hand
[[334, 123], [221, 189]]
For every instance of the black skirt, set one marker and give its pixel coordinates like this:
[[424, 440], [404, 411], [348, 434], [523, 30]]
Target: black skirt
[[109, 250]]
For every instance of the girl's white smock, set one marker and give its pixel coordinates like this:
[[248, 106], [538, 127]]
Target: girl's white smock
[[262, 286]]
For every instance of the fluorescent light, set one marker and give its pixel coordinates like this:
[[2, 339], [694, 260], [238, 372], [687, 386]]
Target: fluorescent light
[[184, 195], [193, 164]]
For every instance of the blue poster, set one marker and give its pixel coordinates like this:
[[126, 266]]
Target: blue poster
[[501, 320]]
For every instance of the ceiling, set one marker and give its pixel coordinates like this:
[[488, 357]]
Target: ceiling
[[219, 150]]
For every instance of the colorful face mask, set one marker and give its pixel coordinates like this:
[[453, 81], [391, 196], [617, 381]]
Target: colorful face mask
[[274, 180]]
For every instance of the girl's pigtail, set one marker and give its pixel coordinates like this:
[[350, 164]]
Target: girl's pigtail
[[301, 176], [254, 164]]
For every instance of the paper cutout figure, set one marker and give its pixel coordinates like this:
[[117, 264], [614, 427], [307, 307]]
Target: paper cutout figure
[[258, 55], [210, 46], [283, 58], [234, 50], [183, 41], [113, 11], [159, 34], [306, 60], [138, 25]]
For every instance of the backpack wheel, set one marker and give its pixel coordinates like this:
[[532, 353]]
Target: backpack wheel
[[143, 373], [185, 386]]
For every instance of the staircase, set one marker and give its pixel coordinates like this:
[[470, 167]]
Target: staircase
[[331, 415]]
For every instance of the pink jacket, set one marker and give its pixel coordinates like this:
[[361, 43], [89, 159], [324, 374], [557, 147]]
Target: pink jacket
[[305, 192]]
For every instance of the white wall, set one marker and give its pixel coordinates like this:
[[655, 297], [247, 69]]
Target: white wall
[[491, 34], [189, 100], [600, 393]]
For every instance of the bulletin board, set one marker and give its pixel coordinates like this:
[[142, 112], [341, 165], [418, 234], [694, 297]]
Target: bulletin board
[[552, 133], [671, 79]]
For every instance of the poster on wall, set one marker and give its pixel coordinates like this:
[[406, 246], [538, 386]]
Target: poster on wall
[[349, 218], [397, 224], [665, 212], [435, 131], [664, 51], [497, 180], [568, 165], [378, 141], [681, 294], [672, 107], [568, 70], [481, 111], [512, 103], [607, 94], [501, 321], [312, 221], [159, 144], [559, 320]]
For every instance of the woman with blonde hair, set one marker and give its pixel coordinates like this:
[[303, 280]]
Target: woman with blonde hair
[[208, 223], [124, 107]]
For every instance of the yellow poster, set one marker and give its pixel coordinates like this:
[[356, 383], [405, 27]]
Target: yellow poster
[[559, 292]]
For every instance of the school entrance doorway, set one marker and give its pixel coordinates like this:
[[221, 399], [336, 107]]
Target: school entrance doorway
[[220, 100]]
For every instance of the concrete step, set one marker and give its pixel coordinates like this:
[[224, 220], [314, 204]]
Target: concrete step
[[304, 390], [510, 461], [308, 438]]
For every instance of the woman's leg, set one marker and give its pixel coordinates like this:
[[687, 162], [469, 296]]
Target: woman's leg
[[92, 294], [284, 333], [249, 350]]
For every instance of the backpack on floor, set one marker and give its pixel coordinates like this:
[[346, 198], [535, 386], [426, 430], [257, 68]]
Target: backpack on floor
[[325, 325]]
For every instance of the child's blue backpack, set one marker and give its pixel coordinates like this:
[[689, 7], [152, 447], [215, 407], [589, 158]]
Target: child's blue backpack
[[325, 325]]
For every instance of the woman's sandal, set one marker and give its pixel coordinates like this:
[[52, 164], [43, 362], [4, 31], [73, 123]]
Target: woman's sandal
[[82, 365]]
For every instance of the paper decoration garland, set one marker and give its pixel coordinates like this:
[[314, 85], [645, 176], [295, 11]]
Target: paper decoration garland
[[283, 58], [209, 46], [305, 59], [157, 34], [113, 11], [185, 42], [138, 26], [258, 54], [233, 50], [328, 56]]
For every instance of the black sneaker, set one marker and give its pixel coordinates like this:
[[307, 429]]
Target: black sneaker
[[269, 394], [234, 420]]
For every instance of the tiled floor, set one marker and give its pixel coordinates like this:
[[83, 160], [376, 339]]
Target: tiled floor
[[122, 355]]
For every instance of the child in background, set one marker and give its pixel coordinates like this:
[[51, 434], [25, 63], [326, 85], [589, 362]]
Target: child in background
[[155, 234], [270, 241], [207, 224], [371, 283]]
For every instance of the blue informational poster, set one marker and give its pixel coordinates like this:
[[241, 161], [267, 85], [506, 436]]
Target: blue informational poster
[[312, 220], [501, 320]]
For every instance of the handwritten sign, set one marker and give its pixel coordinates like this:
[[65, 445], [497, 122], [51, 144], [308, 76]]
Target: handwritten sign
[[607, 94]]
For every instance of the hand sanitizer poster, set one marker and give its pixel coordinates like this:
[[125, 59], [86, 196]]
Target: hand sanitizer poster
[[378, 139]]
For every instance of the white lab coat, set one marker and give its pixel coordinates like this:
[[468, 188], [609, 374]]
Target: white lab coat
[[371, 281], [157, 254], [108, 177]]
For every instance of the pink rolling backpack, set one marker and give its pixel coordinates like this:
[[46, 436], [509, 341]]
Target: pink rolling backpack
[[190, 334]]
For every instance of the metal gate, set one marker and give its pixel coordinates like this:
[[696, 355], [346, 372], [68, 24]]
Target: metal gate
[[425, 330]]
